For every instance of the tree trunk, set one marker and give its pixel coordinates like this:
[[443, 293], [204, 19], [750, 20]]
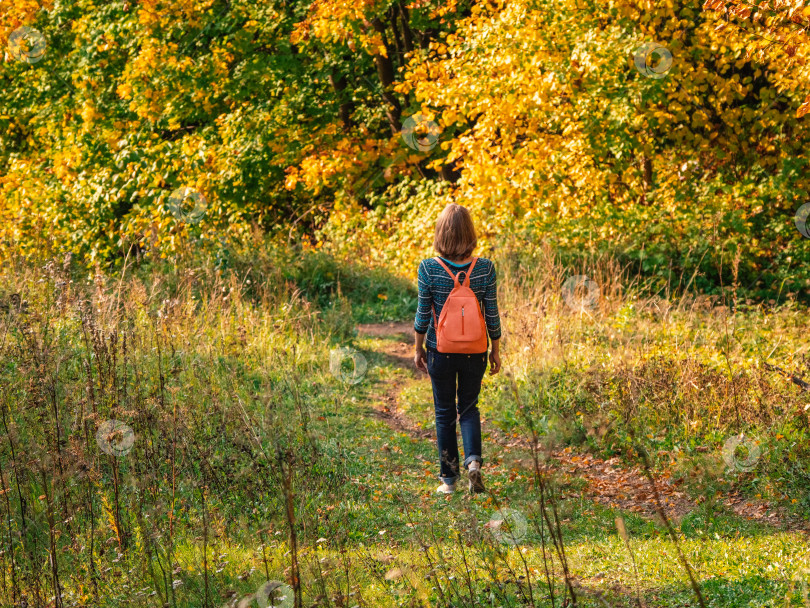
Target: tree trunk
[[346, 107], [385, 71], [407, 34], [647, 167]]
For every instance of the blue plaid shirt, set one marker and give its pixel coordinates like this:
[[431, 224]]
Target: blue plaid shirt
[[435, 285]]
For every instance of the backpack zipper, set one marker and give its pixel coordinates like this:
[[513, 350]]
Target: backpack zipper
[[462, 320]]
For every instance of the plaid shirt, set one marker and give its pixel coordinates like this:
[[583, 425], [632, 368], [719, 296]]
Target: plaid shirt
[[435, 285]]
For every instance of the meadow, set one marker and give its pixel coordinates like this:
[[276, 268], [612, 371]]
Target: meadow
[[258, 436]]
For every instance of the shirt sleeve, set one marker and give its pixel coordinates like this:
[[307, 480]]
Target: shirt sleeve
[[425, 302], [492, 316]]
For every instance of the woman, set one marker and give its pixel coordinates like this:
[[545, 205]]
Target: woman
[[456, 374]]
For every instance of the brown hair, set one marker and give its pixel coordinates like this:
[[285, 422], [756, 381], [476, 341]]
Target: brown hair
[[455, 233]]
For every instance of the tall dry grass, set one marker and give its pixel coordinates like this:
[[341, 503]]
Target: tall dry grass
[[209, 377], [681, 370]]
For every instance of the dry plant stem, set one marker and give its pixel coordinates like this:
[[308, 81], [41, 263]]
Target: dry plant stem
[[164, 561], [170, 552], [93, 574], [541, 525], [294, 383], [119, 532], [125, 379], [467, 573], [555, 530], [14, 589], [30, 574], [670, 530], [426, 551], [121, 282], [727, 346], [317, 572], [6, 492], [544, 548], [626, 538], [692, 278], [174, 474], [660, 508], [347, 568], [436, 544], [504, 555], [556, 536], [286, 465], [57, 589], [150, 549], [210, 475], [456, 588], [371, 564], [493, 575], [205, 546], [264, 555], [53, 392], [798, 381]]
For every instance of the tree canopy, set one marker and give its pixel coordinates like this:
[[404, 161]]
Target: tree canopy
[[672, 134]]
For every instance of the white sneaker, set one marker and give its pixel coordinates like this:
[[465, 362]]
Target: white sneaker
[[446, 489]]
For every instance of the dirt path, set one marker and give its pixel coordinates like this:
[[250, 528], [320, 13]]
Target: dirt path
[[400, 354], [609, 482]]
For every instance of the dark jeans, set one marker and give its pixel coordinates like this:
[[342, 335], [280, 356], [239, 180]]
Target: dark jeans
[[454, 376]]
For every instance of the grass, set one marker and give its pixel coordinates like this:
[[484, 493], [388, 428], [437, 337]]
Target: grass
[[252, 461]]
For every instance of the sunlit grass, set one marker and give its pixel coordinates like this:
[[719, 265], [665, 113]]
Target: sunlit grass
[[230, 394]]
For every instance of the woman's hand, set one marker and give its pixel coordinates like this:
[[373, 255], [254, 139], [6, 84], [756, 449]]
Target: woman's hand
[[420, 360], [494, 362]]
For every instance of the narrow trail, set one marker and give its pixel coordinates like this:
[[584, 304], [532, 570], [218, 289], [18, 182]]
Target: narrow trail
[[400, 355], [607, 482]]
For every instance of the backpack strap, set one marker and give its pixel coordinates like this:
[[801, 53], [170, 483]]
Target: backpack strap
[[469, 273], [455, 281], [443, 265]]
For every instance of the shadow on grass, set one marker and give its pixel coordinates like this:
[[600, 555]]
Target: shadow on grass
[[723, 592]]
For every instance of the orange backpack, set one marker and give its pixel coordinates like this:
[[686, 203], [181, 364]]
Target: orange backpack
[[461, 327]]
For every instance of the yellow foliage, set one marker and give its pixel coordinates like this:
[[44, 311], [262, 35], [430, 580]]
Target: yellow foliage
[[16, 13], [346, 21]]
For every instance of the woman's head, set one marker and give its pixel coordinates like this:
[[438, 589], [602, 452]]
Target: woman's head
[[455, 233]]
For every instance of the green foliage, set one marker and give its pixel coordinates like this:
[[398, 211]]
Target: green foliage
[[286, 118]]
